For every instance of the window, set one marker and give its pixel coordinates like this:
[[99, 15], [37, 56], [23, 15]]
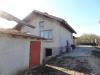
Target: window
[[48, 52], [41, 25], [43, 32], [46, 34]]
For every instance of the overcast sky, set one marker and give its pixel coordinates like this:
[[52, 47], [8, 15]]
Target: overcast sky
[[82, 15]]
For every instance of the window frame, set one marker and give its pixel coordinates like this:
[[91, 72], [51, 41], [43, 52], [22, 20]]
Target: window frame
[[49, 35], [41, 26]]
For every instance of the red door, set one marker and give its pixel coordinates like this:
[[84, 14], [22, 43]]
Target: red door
[[35, 47]]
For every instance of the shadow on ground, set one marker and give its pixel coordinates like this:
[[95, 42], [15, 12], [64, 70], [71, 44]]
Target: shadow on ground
[[77, 64], [43, 70]]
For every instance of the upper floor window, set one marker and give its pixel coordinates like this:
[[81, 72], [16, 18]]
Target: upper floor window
[[46, 34], [41, 25]]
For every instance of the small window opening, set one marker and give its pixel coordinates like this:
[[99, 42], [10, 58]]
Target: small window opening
[[48, 52]]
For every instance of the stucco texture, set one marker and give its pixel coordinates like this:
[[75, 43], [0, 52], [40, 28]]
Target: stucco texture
[[14, 54]]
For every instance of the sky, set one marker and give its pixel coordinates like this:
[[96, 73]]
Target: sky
[[82, 15]]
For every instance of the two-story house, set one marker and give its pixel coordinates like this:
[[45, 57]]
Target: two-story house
[[58, 32]]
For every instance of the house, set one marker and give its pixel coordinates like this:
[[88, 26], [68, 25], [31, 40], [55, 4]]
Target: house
[[18, 51], [58, 32]]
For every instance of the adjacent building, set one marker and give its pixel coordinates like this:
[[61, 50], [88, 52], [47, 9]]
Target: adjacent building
[[18, 51]]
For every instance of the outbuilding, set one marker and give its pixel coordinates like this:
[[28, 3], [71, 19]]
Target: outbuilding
[[18, 51]]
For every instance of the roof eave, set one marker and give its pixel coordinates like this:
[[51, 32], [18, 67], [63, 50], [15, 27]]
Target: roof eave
[[67, 26]]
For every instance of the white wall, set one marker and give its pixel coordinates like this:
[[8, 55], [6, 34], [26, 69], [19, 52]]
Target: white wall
[[65, 35], [14, 54]]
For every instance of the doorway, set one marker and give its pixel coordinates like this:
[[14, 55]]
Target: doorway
[[35, 47]]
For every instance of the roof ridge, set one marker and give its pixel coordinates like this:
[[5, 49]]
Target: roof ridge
[[64, 23]]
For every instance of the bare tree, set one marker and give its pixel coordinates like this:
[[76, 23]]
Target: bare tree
[[86, 38]]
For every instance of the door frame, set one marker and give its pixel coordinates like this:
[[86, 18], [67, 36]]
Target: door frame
[[30, 66]]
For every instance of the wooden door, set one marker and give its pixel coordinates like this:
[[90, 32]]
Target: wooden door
[[35, 47]]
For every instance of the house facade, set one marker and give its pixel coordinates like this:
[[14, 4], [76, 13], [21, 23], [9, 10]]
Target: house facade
[[58, 32]]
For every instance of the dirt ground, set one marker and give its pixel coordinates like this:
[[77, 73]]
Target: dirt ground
[[78, 62]]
